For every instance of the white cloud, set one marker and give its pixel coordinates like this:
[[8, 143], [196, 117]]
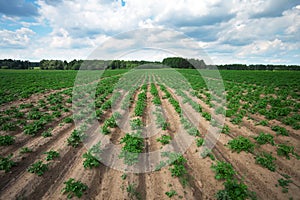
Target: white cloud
[[15, 39], [230, 31]]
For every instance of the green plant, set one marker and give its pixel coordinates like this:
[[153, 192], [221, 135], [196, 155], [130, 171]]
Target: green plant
[[6, 163], [136, 124], [199, 142], [51, 155], [266, 160], [280, 130], [90, 160], [263, 123], [241, 143], [223, 170], [105, 130], [124, 176], [68, 120], [132, 192], [6, 140], [25, 150], [75, 139], [206, 115], [133, 145], [178, 169], [47, 133], [264, 138], [207, 153], [225, 129], [284, 183], [164, 139], [285, 150], [38, 168], [235, 190], [171, 193], [74, 188]]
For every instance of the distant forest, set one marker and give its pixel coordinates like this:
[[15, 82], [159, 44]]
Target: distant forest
[[173, 62]]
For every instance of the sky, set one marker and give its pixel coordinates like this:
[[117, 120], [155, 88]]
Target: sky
[[228, 31]]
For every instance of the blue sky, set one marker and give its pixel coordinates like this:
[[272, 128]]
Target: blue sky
[[231, 31]]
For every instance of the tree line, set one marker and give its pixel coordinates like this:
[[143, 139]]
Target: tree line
[[173, 62]]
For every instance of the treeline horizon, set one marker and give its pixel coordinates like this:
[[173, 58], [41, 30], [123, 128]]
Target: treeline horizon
[[173, 62]]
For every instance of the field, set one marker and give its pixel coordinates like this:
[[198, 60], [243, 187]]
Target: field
[[94, 142]]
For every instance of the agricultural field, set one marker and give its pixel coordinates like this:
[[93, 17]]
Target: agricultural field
[[150, 134]]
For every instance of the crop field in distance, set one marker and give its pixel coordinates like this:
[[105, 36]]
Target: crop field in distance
[[240, 142]]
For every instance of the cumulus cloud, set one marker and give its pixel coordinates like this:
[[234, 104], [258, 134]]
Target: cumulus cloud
[[15, 39], [229, 31]]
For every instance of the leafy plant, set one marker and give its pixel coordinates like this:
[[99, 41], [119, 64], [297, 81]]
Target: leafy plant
[[51, 155], [47, 133], [263, 123], [199, 142], [266, 160], [164, 139], [124, 176], [235, 190], [133, 145], [223, 170], [284, 183], [132, 192], [225, 129], [207, 153], [74, 188], [280, 130], [136, 124], [264, 138], [90, 161], [241, 143], [25, 150], [75, 139], [105, 130], [6, 140], [68, 120], [284, 150], [171, 193], [38, 168], [6, 163]]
